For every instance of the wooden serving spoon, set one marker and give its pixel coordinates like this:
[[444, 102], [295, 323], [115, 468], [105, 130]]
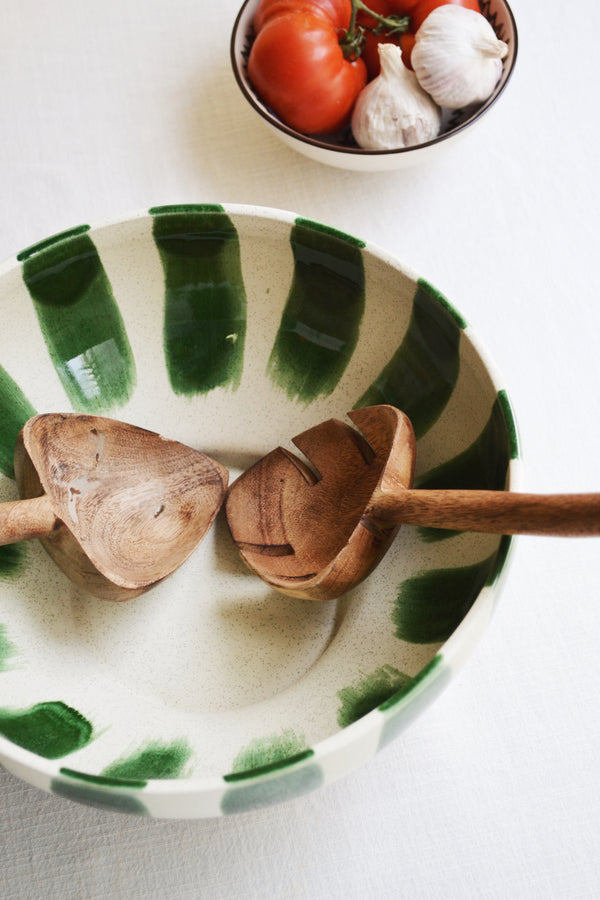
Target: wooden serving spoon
[[316, 530], [117, 507]]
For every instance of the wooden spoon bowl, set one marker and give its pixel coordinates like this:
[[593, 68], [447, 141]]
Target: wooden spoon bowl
[[316, 529], [307, 529], [117, 507]]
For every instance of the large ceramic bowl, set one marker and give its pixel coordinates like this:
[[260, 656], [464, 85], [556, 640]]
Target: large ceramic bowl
[[232, 329], [340, 150]]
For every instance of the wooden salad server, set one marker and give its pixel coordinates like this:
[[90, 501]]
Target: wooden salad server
[[316, 529], [117, 507]]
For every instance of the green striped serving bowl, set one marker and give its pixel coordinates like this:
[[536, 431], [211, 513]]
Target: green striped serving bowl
[[231, 329]]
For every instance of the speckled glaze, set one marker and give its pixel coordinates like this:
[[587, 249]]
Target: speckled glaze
[[340, 150], [211, 694]]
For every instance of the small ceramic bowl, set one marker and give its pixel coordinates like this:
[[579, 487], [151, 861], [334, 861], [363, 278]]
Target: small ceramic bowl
[[341, 151], [232, 329]]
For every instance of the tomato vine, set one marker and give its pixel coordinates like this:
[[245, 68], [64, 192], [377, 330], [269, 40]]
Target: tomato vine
[[353, 40]]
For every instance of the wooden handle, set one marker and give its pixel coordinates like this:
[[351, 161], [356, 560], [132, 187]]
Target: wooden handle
[[496, 512], [25, 519]]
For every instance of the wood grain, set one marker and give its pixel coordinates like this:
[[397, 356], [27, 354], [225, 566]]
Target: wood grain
[[117, 507]]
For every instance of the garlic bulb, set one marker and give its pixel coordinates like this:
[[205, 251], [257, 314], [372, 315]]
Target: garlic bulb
[[392, 111], [457, 57]]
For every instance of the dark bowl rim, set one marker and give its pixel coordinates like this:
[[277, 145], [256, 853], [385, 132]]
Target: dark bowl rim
[[316, 142]]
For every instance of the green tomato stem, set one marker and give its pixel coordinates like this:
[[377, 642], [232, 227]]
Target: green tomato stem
[[353, 40]]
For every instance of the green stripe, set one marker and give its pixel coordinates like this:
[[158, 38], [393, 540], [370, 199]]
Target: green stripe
[[255, 792], [331, 232], [505, 410], [98, 795], [205, 298], [369, 693], [422, 373], [411, 684], [483, 465], [430, 606], [15, 409], [275, 766], [80, 321], [320, 324], [500, 559], [49, 241], [13, 560], [155, 760], [7, 650], [266, 751], [103, 780], [50, 729], [183, 208]]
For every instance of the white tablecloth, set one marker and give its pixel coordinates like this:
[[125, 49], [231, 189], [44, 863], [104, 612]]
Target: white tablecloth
[[494, 792]]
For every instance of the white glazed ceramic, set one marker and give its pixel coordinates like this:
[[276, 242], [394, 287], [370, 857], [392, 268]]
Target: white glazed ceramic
[[232, 329], [343, 153]]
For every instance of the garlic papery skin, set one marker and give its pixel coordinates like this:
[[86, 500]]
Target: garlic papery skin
[[457, 57], [392, 111]]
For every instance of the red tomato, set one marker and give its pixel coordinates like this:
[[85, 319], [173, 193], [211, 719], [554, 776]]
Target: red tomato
[[298, 69], [369, 51], [337, 11], [422, 10], [419, 10], [407, 42], [403, 7]]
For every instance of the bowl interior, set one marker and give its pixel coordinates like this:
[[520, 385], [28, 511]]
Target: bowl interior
[[340, 149], [232, 329]]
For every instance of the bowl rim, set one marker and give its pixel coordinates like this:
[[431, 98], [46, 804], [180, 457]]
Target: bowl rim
[[452, 653], [323, 145]]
